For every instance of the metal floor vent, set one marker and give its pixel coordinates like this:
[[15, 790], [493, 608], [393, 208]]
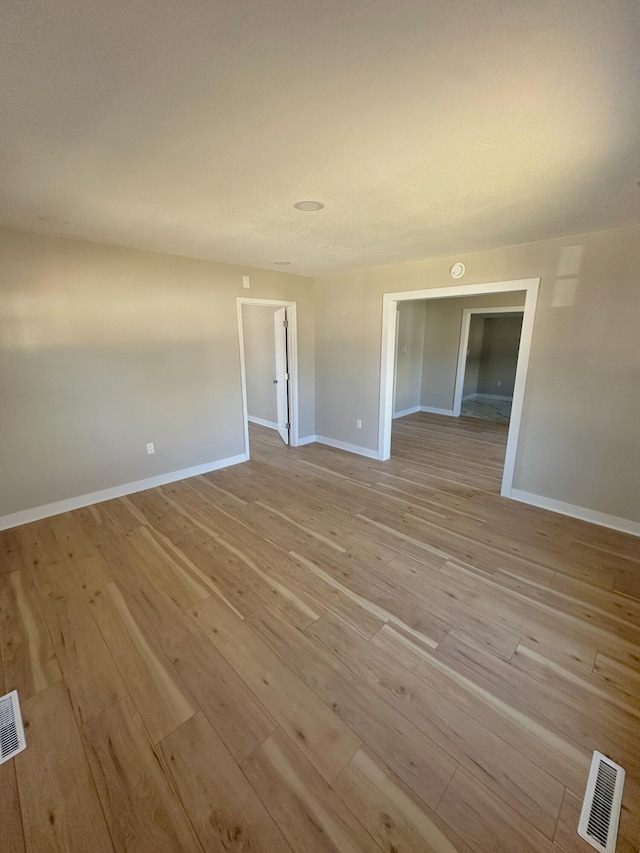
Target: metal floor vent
[[600, 813], [12, 740]]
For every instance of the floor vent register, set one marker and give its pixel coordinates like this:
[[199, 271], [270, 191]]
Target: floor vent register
[[12, 740], [600, 813]]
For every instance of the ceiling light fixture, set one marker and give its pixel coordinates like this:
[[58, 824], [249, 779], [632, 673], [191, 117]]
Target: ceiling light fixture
[[53, 220], [308, 205]]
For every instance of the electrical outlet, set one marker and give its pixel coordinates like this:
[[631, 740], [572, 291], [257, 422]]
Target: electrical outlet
[[150, 447], [499, 383], [358, 424]]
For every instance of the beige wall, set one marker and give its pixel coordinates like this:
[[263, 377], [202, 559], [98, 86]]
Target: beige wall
[[443, 326], [103, 349], [579, 435], [499, 356], [410, 344], [260, 360]]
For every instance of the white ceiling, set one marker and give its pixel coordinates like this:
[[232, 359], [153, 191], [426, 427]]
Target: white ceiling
[[427, 127]]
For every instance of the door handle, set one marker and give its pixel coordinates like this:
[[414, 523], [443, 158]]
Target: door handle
[[275, 381]]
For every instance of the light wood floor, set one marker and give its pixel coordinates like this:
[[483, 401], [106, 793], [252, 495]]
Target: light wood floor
[[312, 652]]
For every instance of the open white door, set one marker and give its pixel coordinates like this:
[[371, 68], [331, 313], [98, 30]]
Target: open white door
[[282, 373]]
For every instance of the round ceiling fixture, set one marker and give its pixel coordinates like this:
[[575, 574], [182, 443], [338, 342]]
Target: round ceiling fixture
[[457, 270], [282, 263], [53, 220], [308, 205]]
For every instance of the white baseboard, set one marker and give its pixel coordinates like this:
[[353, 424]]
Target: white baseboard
[[262, 422], [308, 439], [625, 525], [350, 448], [404, 412], [432, 410], [27, 515], [486, 397]]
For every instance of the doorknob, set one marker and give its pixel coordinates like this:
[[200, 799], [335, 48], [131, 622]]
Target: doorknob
[[275, 381]]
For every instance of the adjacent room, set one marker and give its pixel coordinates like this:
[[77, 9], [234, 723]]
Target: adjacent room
[[489, 369], [268, 356], [319, 448], [444, 359]]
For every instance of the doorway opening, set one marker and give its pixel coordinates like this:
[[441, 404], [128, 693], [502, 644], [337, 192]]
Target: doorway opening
[[487, 362], [267, 336], [444, 405]]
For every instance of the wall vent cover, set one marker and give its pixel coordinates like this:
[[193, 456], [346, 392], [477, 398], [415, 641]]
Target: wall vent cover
[[12, 740], [600, 813]]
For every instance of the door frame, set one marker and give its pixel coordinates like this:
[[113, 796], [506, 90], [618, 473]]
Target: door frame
[[467, 313], [388, 354], [292, 346]]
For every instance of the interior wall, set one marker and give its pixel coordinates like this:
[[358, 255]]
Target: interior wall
[[409, 355], [584, 338], [474, 351], [260, 361], [443, 326], [104, 349], [499, 356]]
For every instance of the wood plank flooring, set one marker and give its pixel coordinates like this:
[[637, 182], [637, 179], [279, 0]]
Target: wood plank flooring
[[319, 652]]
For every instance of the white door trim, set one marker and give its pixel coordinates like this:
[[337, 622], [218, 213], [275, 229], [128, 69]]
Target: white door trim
[[464, 344], [389, 308], [293, 363]]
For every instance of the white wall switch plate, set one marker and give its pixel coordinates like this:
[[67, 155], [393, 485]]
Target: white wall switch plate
[[150, 447], [246, 282], [358, 424]]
